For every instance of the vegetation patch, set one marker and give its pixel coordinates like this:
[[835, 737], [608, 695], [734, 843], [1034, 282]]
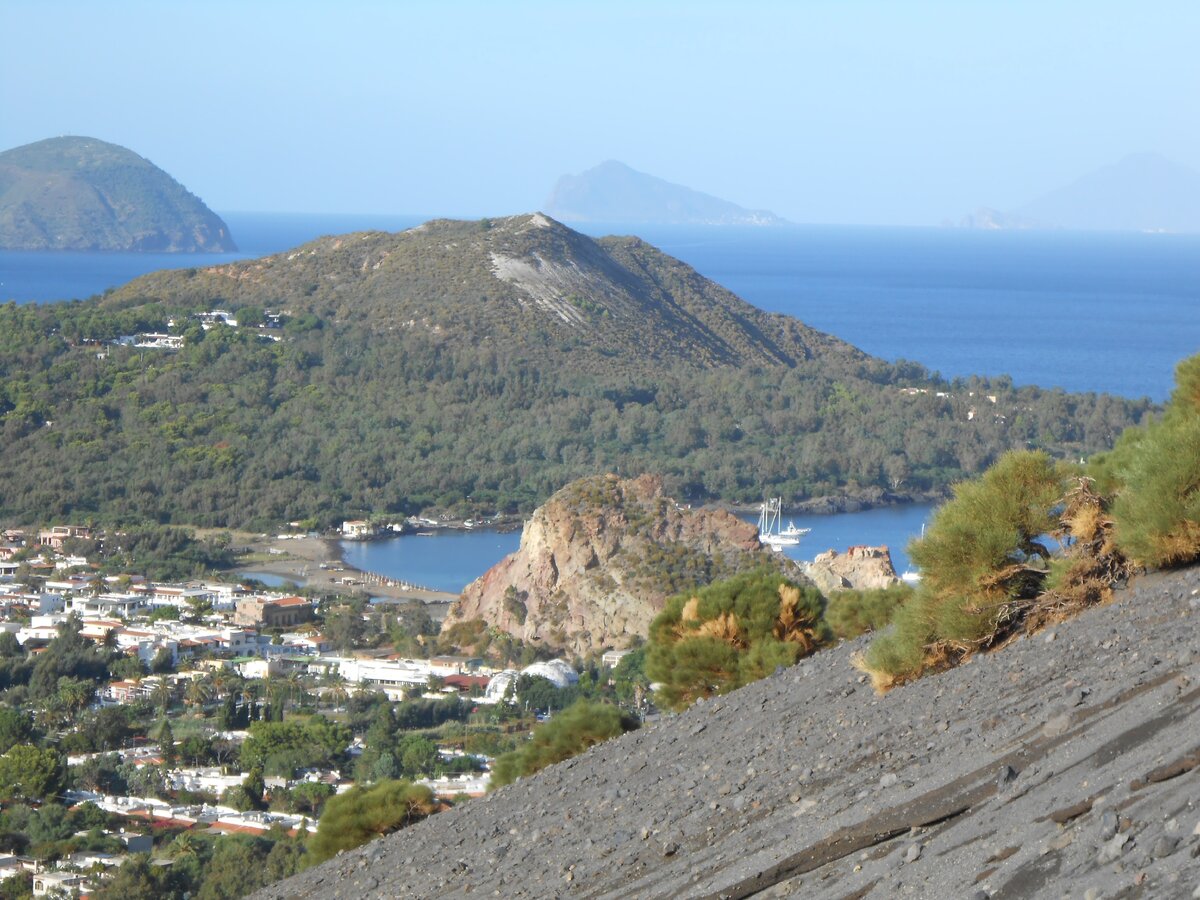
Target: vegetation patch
[[985, 573], [567, 734], [731, 633], [365, 813], [850, 613], [980, 556]]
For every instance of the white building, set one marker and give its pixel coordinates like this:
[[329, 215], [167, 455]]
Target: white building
[[391, 676], [558, 672], [106, 606]]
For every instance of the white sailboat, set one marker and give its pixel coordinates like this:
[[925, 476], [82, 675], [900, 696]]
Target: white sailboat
[[770, 530]]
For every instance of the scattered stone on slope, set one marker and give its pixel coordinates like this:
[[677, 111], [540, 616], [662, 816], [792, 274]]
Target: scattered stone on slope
[[780, 791]]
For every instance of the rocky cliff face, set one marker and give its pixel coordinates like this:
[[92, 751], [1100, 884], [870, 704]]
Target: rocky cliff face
[[861, 568], [598, 560]]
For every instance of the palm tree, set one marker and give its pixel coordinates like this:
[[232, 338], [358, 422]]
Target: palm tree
[[293, 690], [221, 681], [185, 844], [162, 694], [52, 714], [336, 691], [198, 693], [73, 695]]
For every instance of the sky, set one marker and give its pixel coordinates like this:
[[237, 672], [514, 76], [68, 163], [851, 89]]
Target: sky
[[837, 111]]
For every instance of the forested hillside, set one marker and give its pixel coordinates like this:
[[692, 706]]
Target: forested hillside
[[473, 366]]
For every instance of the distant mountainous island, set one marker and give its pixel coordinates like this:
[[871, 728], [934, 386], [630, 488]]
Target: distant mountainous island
[[473, 367], [613, 192], [1142, 192], [79, 193]]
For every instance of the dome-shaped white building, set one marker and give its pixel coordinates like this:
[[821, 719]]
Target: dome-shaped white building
[[558, 672]]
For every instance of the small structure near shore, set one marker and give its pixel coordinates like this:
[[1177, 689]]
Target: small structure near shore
[[357, 530]]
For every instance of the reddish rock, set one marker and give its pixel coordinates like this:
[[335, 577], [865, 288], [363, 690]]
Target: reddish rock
[[598, 560]]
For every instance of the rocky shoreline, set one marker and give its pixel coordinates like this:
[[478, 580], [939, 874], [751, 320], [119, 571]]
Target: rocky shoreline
[[300, 559]]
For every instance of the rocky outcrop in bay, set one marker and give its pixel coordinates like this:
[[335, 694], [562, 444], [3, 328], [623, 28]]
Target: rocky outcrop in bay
[[859, 568], [598, 560]]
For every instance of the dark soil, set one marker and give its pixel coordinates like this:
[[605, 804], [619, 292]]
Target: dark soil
[[1066, 764]]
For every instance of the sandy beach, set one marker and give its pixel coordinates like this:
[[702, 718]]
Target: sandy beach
[[300, 560]]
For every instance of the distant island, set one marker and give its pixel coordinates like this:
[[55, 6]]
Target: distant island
[[613, 192], [1142, 192], [83, 194]]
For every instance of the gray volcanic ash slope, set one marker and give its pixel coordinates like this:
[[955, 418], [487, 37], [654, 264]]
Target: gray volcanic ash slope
[[1065, 764]]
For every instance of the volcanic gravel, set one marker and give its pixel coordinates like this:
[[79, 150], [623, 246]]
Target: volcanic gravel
[[1065, 764]]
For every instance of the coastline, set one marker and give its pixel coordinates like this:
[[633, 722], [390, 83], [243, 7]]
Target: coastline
[[849, 502], [319, 563], [300, 560]]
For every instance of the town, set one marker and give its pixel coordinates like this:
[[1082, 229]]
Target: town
[[140, 713]]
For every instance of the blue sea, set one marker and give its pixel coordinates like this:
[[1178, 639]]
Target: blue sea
[[450, 560], [1081, 311], [1109, 312]]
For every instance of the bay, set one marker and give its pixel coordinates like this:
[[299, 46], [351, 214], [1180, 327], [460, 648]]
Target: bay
[[450, 560], [446, 560]]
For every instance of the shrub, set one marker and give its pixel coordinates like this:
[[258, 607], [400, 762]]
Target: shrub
[[567, 734], [363, 814], [1157, 471], [731, 633], [851, 613], [980, 554]]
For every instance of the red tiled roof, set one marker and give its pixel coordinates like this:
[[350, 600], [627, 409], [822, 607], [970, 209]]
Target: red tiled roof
[[288, 601], [466, 681]]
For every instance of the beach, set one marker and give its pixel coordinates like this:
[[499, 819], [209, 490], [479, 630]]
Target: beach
[[316, 563]]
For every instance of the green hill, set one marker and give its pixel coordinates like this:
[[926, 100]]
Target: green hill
[[78, 193], [474, 366]]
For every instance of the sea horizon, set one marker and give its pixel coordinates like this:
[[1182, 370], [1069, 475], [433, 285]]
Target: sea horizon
[[1110, 312]]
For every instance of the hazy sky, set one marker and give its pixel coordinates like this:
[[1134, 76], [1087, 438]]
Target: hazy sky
[[858, 112]]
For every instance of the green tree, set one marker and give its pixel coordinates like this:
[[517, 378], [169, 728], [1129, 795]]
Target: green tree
[[279, 748], [362, 814], [1156, 471], [417, 756], [162, 694], [101, 774], [15, 728], [31, 773], [980, 557], [568, 734], [731, 633], [199, 691], [850, 613], [309, 797], [166, 743], [127, 668]]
